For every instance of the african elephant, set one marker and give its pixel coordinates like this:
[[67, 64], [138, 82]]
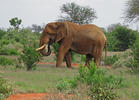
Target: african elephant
[[83, 39]]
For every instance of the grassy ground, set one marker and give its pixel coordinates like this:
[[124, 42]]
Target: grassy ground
[[41, 80], [130, 88], [46, 77]]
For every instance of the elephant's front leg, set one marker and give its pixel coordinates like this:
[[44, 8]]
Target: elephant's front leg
[[68, 59], [63, 49]]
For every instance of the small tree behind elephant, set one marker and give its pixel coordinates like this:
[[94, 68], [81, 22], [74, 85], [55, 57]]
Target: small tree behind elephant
[[83, 39]]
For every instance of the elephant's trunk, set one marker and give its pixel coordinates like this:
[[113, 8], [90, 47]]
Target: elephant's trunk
[[44, 53], [42, 48]]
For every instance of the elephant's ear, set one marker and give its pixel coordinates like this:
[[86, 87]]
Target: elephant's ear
[[62, 31]]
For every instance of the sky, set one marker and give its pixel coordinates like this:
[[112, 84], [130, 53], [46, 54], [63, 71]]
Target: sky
[[45, 11]]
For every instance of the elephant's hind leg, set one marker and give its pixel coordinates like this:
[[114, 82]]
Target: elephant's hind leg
[[68, 59], [88, 58], [97, 52]]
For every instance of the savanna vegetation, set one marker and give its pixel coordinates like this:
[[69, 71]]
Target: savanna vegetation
[[117, 77]]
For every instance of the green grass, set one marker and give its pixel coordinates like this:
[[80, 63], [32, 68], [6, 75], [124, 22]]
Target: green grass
[[41, 80], [45, 79], [130, 88]]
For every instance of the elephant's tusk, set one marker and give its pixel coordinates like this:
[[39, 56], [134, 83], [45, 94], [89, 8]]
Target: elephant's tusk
[[40, 48]]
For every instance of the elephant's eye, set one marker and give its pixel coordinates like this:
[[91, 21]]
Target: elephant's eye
[[48, 33]]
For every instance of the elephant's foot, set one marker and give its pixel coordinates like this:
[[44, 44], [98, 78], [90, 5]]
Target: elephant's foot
[[70, 67], [57, 66]]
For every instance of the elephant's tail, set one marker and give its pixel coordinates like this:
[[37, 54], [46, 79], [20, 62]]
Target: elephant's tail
[[105, 49]]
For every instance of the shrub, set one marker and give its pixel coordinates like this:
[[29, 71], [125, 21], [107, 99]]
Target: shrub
[[2, 33], [102, 86], [66, 84], [111, 42], [13, 52], [8, 51], [121, 38], [5, 61], [123, 60], [110, 60], [4, 42], [83, 58], [23, 36], [5, 88], [29, 56], [4, 51], [102, 93], [55, 48], [134, 62]]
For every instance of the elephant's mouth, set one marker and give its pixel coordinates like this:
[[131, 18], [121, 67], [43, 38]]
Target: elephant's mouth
[[42, 49]]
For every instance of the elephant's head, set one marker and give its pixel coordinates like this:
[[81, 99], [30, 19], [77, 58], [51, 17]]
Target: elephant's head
[[53, 32]]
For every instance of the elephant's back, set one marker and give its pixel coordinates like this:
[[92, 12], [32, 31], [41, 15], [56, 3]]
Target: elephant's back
[[90, 31]]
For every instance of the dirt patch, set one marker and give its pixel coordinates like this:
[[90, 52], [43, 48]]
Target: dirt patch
[[30, 96], [63, 64], [74, 65], [39, 96]]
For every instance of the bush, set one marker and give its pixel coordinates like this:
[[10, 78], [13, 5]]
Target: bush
[[66, 84], [29, 56], [13, 52], [8, 51], [121, 38], [5, 61], [111, 42], [4, 51], [55, 48], [102, 87], [123, 60], [110, 60], [2, 33], [5, 42], [102, 93], [134, 61], [23, 36], [5, 88]]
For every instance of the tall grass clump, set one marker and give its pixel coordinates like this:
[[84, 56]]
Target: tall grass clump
[[134, 61], [101, 86], [5, 88], [110, 60]]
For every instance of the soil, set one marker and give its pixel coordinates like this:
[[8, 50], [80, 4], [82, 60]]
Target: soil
[[52, 63], [27, 96], [38, 96]]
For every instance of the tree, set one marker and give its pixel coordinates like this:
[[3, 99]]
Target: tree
[[132, 11], [112, 27], [121, 38], [15, 22], [36, 28], [77, 14]]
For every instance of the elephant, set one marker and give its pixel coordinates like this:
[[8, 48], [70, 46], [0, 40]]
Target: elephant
[[86, 39]]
